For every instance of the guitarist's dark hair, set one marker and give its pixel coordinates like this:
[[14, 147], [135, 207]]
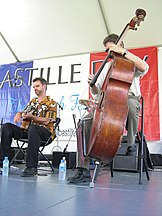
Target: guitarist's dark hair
[[42, 80]]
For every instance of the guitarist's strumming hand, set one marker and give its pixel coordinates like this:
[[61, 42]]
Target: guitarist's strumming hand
[[37, 119], [17, 117], [27, 116]]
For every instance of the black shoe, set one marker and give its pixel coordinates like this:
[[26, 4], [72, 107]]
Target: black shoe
[[76, 175], [81, 176], [29, 171], [131, 151]]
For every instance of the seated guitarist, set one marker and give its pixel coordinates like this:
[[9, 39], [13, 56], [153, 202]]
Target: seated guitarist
[[37, 125]]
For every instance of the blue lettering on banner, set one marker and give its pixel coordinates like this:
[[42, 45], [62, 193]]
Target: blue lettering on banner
[[73, 102]]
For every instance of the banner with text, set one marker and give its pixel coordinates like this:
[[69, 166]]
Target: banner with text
[[149, 88], [67, 84]]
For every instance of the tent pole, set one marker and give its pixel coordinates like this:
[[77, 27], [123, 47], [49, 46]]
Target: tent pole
[[104, 19], [9, 47]]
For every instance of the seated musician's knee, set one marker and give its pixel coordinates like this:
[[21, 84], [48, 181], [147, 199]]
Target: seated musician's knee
[[32, 129], [6, 125]]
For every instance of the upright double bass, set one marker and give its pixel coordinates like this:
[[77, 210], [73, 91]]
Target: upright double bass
[[112, 109]]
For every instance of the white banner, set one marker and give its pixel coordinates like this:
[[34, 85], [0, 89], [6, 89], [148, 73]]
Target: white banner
[[67, 77]]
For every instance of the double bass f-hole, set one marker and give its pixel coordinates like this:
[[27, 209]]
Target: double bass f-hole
[[101, 99]]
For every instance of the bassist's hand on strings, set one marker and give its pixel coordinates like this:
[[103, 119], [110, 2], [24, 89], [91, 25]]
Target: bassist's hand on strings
[[90, 77], [119, 49], [94, 89]]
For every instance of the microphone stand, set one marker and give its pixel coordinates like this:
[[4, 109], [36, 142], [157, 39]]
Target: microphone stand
[[1, 128], [65, 149], [59, 108]]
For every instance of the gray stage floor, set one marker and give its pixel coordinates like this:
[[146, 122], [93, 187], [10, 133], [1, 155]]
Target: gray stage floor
[[45, 196]]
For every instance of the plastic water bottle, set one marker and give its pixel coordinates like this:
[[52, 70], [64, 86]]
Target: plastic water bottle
[[64, 159], [5, 170], [62, 170]]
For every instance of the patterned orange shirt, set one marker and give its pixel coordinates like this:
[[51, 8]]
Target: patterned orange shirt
[[47, 108]]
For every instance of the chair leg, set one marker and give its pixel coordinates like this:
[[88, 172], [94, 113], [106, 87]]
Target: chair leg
[[111, 168], [18, 149], [44, 156], [142, 159]]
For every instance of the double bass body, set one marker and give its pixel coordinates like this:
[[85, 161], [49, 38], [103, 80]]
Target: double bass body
[[111, 113]]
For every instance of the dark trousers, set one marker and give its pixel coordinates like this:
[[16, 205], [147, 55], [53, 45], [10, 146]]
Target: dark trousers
[[35, 135], [83, 133]]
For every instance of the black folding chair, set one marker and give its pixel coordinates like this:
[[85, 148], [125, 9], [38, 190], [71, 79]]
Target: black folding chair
[[21, 146]]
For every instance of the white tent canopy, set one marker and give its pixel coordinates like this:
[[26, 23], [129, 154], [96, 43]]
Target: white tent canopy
[[37, 29]]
